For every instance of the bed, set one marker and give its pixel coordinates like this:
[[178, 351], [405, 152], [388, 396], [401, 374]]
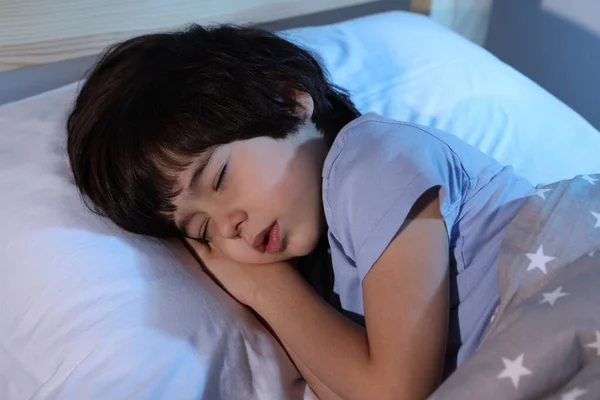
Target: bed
[[88, 311]]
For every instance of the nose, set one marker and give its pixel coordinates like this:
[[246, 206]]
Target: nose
[[229, 224]]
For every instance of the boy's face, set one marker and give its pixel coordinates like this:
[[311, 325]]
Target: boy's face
[[270, 192]]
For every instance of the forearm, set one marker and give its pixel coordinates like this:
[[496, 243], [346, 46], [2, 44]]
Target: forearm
[[332, 348], [322, 391]]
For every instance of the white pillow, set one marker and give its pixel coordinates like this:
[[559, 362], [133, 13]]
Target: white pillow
[[88, 311], [405, 66]]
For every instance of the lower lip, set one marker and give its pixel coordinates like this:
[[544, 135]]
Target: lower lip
[[274, 244]]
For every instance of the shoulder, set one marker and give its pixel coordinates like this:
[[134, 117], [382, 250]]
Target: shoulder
[[375, 129], [373, 150], [375, 172], [372, 138]]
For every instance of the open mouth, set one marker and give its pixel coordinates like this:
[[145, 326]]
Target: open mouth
[[269, 240]]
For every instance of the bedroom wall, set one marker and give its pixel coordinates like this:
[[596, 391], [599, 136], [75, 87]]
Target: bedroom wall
[[470, 18], [554, 42]]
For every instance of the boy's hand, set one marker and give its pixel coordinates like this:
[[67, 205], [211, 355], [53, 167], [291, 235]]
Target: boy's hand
[[238, 279]]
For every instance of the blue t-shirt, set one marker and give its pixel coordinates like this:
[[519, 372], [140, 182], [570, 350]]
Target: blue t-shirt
[[376, 170]]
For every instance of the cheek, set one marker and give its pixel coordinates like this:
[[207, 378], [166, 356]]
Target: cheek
[[266, 165], [301, 188], [258, 188]]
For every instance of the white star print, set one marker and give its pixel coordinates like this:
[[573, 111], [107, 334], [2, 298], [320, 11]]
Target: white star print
[[514, 370], [542, 193], [596, 344], [538, 260], [589, 179], [573, 394], [553, 296], [597, 215]]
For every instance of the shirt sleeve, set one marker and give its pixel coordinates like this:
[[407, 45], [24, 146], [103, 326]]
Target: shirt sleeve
[[379, 170]]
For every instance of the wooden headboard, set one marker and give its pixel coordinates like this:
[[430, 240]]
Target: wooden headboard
[[34, 32]]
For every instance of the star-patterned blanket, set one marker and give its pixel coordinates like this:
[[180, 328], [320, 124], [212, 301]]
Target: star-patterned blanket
[[544, 339]]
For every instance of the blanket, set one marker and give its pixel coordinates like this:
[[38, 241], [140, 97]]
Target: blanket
[[544, 338]]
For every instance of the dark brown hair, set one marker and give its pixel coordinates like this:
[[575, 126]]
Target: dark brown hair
[[154, 102]]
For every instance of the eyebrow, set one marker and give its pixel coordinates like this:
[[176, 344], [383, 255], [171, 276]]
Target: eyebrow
[[192, 187]]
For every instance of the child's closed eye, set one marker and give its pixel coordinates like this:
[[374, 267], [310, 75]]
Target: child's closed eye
[[220, 178]]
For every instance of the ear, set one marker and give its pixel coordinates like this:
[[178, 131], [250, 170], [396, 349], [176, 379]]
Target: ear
[[306, 105]]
